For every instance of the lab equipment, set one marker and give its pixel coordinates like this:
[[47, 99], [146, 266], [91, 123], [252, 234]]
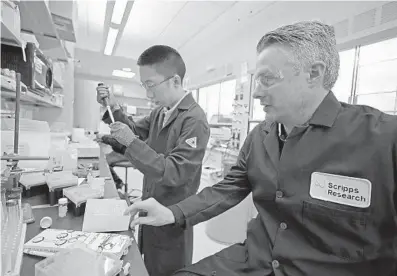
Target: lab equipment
[[27, 211], [34, 141], [51, 241], [14, 198], [3, 209], [79, 195], [12, 236], [45, 222], [79, 261], [16, 192], [107, 105], [31, 179], [62, 207], [61, 179], [56, 181]]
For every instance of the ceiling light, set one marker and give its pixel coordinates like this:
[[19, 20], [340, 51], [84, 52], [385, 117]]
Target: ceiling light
[[110, 41], [127, 69], [118, 11], [123, 74]]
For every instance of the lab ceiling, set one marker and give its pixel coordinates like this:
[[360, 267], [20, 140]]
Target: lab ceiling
[[196, 28]]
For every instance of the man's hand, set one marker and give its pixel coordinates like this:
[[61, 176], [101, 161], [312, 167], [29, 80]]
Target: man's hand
[[103, 92], [157, 214], [98, 138], [122, 133]]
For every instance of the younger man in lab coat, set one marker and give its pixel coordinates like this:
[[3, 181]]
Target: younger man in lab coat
[[176, 135], [323, 174]]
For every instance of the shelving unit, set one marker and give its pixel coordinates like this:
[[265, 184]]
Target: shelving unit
[[36, 19], [50, 23], [8, 37], [29, 98], [53, 48]]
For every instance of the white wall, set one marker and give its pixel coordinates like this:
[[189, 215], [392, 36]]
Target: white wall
[[131, 89], [86, 108]]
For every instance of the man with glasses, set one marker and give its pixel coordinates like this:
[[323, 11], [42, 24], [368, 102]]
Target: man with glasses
[[323, 174], [176, 135]]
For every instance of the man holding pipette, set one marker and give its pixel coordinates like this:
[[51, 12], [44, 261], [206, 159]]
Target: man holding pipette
[[176, 135]]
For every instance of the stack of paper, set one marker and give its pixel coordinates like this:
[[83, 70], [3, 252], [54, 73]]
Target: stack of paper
[[105, 215]]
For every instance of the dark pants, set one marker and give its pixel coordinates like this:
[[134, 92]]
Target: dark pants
[[166, 249]]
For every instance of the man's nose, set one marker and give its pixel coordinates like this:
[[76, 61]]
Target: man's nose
[[258, 92]]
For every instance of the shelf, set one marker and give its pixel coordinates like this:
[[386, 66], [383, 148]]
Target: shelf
[[36, 19], [52, 48], [29, 98], [8, 36]]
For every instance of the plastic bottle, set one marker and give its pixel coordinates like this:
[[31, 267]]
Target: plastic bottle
[[62, 207]]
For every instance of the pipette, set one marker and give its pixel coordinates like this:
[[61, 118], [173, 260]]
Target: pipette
[[105, 100]]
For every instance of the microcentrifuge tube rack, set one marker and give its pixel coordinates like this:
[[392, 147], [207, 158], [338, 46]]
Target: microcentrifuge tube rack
[[12, 247]]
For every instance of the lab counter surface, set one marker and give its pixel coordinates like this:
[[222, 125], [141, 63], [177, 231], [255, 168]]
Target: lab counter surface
[[70, 222]]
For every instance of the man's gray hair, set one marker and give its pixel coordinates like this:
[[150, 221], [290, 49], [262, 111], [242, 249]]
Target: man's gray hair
[[309, 41]]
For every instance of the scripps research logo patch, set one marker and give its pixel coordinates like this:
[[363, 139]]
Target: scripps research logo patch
[[192, 142], [340, 189]]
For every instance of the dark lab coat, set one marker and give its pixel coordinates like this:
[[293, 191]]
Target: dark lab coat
[[296, 233], [171, 161]]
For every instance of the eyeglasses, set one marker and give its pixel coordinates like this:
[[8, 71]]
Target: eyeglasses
[[152, 85], [267, 81]]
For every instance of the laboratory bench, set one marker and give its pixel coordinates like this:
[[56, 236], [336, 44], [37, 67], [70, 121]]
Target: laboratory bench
[[70, 222], [41, 208]]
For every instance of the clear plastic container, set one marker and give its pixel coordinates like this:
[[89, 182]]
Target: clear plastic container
[[62, 207], [17, 194], [3, 209], [78, 262]]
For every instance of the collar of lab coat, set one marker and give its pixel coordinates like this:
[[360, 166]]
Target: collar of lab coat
[[327, 111], [325, 115], [183, 103]]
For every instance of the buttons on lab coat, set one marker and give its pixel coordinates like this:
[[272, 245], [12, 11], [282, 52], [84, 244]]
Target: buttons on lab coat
[[283, 225], [275, 264], [279, 194]]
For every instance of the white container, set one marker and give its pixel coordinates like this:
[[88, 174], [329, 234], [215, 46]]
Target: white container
[[62, 207], [45, 222]]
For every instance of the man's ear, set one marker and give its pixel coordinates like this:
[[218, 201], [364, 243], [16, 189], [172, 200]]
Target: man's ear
[[177, 81], [316, 73]]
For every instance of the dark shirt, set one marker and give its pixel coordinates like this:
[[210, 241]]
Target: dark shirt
[[340, 222]]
